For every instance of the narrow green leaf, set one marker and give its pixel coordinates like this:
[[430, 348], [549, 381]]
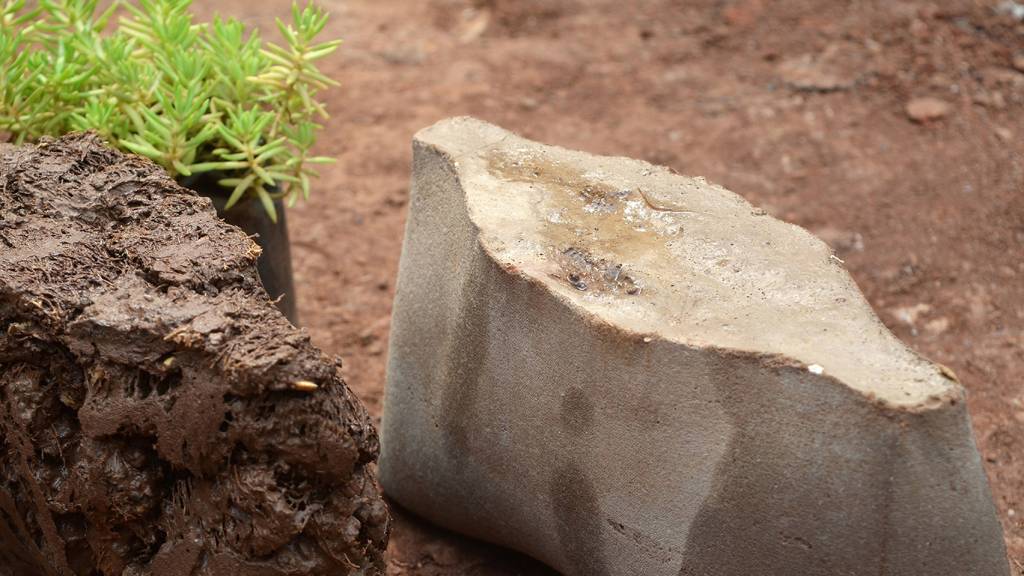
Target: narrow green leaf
[[142, 148], [239, 191], [281, 177], [208, 167], [263, 175], [181, 168], [321, 52], [268, 203]]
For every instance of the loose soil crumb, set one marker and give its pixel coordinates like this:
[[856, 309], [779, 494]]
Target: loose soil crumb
[[159, 416], [927, 109]]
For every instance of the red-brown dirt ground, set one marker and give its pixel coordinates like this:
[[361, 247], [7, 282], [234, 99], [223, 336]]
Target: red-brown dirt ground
[[799, 105]]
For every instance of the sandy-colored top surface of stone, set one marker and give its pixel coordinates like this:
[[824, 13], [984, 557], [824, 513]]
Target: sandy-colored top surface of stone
[[674, 257]]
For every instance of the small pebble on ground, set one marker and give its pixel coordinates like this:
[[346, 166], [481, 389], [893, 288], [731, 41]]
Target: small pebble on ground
[[927, 109]]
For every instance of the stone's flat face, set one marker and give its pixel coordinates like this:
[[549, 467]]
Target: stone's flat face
[[620, 370], [679, 258], [158, 415]]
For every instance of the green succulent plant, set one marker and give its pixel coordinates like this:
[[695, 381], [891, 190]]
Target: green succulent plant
[[193, 97]]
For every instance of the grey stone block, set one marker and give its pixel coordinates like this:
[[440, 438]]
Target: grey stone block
[[619, 370]]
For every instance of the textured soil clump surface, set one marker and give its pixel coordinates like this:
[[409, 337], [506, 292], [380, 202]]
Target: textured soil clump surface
[[157, 414]]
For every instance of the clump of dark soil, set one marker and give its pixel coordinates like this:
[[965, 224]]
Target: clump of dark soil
[[158, 415]]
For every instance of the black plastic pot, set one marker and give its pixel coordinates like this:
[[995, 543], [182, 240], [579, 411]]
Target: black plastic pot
[[275, 263]]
